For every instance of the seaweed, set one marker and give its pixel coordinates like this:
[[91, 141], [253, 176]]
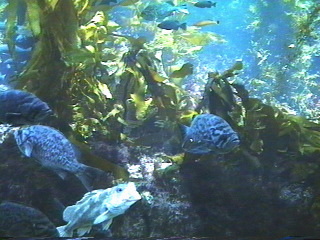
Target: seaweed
[[267, 132]]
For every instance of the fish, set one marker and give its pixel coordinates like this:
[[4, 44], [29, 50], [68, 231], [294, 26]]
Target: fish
[[107, 2], [206, 23], [17, 220], [209, 133], [205, 4], [25, 41], [159, 11], [55, 152], [172, 25], [19, 108], [98, 207]]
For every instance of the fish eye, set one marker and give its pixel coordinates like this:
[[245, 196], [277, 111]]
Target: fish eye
[[119, 190]]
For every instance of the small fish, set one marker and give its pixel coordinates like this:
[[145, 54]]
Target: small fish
[[25, 41], [98, 207], [107, 2], [159, 11], [17, 220], [54, 151], [209, 133], [206, 23], [205, 4], [172, 25], [20, 107]]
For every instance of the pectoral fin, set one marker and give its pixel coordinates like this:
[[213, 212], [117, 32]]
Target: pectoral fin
[[106, 224], [27, 148], [102, 217], [13, 117], [82, 231]]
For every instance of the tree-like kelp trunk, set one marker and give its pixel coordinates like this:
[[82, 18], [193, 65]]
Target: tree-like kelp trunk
[[47, 75]]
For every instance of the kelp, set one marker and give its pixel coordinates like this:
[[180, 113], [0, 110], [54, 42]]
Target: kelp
[[58, 74], [267, 133], [96, 86]]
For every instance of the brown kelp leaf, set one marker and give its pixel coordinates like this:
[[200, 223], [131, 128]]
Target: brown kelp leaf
[[53, 4], [156, 76], [33, 14], [185, 70], [98, 162], [128, 2]]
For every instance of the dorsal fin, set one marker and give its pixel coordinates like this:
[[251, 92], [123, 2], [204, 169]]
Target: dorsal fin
[[183, 129], [170, 2]]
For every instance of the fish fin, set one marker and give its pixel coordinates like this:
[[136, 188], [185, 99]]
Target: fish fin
[[101, 218], [82, 231], [87, 176], [62, 174], [170, 3], [93, 195], [214, 4], [68, 213], [183, 129], [63, 232], [106, 224], [183, 26], [27, 148], [13, 117]]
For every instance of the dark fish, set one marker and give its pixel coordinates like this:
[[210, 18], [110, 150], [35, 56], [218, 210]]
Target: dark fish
[[102, 2], [17, 220], [172, 25], [159, 11], [205, 4], [25, 41], [19, 107], [54, 151], [209, 133]]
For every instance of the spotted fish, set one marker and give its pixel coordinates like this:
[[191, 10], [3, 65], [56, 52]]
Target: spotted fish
[[98, 207], [209, 133], [54, 151]]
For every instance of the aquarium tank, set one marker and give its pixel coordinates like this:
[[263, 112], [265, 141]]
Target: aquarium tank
[[154, 119]]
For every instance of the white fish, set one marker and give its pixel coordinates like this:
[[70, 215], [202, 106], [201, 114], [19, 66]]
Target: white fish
[[98, 207]]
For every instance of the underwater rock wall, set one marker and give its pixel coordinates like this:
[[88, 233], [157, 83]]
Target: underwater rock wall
[[223, 196]]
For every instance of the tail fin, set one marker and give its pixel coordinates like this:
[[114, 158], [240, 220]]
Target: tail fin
[[87, 176], [183, 26], [63, 232]]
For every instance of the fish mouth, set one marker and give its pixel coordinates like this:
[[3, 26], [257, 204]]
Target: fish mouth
[[45, 114]]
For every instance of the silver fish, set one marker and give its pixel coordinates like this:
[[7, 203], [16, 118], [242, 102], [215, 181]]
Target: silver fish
[[209, 133], [19, 108], [54, 151], [17, 220], [98, 207]]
